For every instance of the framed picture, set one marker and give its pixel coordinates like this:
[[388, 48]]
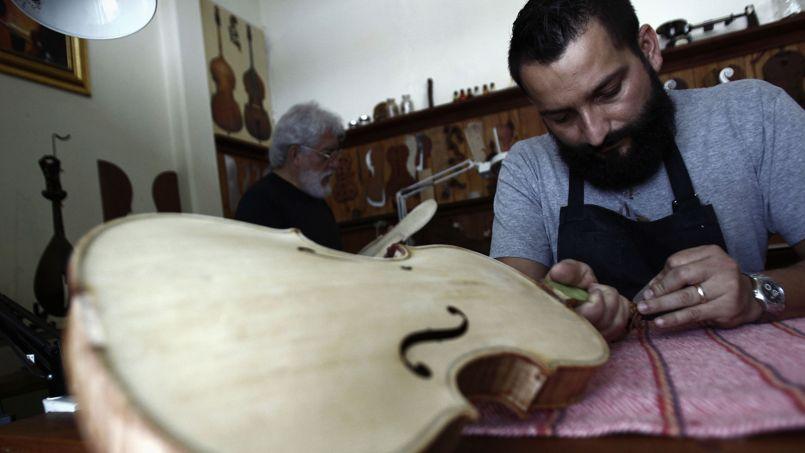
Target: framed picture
[[37, 53]]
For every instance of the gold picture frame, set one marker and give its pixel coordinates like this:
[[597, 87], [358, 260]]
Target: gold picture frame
[[31, 51]]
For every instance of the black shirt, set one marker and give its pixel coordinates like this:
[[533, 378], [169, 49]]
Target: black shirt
[[276, 203]]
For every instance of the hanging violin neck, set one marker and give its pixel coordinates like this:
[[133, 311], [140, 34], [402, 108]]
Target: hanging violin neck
[[218, 27], [249, 37]]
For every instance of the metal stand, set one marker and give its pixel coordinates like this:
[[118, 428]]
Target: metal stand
[[35, 342]]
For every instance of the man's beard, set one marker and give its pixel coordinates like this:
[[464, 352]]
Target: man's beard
[[315, 183], [652, 137]]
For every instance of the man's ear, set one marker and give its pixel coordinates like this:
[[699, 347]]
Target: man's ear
[[293, 153], [649, 44]]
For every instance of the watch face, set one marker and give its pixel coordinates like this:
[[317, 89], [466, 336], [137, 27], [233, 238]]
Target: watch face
[[772, 292]]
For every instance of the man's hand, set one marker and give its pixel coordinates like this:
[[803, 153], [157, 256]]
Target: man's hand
[[688, 274], [606, 309]]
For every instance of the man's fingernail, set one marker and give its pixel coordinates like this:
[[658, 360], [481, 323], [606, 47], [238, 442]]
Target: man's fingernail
[[642, 306], [659, 321], [648, 294]]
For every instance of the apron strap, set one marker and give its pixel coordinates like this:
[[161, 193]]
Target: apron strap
[[685, 197], [575, 196]]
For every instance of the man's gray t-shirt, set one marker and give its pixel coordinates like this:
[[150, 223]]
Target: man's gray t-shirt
[[744, 147]]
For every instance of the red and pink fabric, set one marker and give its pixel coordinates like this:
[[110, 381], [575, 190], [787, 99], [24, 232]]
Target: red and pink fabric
[[700, 383]]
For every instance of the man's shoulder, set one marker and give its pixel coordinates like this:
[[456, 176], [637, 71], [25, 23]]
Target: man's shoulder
[[270, 185], [742, 104], [533, 148], [258, 199], [534, 163], [740, 93]]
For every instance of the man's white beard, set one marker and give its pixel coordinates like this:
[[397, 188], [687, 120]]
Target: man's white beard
[[311, 182]]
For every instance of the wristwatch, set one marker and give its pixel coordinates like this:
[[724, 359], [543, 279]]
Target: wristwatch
[[768, 293]]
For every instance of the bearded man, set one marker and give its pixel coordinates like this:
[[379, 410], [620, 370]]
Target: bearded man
[[635, 193], [303, 157]]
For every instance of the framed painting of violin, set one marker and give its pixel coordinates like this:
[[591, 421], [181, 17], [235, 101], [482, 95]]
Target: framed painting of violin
[[237, 65], [37, 53]]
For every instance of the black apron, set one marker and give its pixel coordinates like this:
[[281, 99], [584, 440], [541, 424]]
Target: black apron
[[626, 254]]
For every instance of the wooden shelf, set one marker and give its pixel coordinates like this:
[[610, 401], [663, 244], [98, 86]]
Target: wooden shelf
[[790, 30], [496, 101], [787, 31]]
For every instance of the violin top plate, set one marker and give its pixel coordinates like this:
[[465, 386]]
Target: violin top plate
[[230, 336]]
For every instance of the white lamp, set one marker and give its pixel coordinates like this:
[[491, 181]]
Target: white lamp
[[90, 19]]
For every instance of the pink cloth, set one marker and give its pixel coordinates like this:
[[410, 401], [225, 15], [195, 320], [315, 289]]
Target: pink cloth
[[701, 383]]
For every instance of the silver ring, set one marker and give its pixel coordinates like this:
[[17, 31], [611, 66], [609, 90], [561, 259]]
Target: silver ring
[[703, 296]]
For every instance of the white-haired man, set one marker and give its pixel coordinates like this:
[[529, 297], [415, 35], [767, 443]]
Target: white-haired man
[[303, 156]]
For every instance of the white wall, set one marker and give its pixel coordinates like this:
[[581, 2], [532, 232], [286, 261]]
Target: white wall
[[351, 54], [125, 121], [149, 112]]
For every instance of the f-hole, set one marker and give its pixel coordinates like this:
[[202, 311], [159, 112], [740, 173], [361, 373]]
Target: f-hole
[[423, 336]]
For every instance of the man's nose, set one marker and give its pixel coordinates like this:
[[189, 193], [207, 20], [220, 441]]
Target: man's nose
[[595, 127]]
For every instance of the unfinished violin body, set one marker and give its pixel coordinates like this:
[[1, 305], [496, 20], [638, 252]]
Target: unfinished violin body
[[198, 333]]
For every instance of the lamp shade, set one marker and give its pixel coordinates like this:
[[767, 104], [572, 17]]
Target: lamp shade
[[90, 19]]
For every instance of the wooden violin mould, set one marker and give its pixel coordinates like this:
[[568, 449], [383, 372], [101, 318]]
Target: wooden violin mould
[[204, 334]]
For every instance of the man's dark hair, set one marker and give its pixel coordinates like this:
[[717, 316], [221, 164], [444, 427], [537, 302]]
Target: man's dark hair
[[544, 28]]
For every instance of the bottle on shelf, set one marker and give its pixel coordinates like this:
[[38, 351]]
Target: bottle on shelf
[[406, 104], [392, 108]]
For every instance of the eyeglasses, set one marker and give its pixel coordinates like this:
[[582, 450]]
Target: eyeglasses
[[326, 154]]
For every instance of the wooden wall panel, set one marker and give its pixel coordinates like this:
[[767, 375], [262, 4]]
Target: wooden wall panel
[[399, 174], [346, 200], [455, 151], [509, 130], [237, 173], [758, 61], [685, 78], [467, 228], [530, 122], [374, 175], [708, 75], [424, 163], [476, 184]]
